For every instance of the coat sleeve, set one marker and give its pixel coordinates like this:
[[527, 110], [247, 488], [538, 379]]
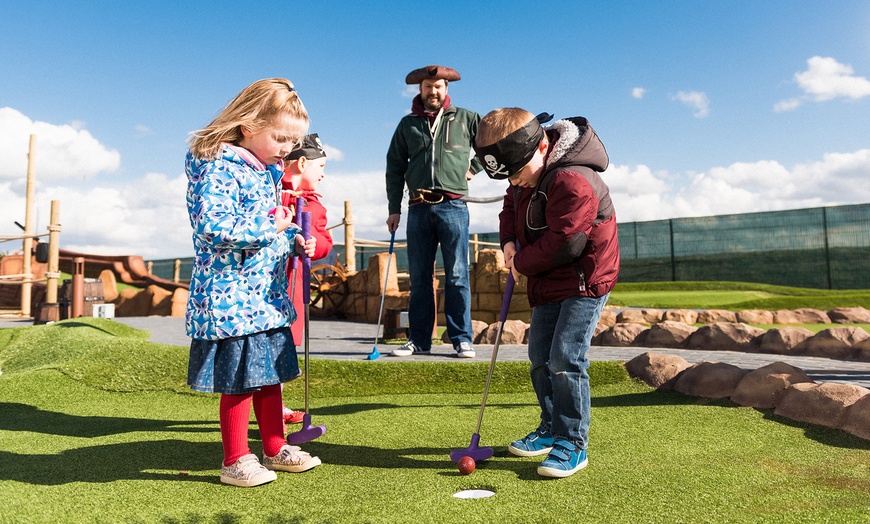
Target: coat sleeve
[[571, 211], [397, 165], [507, 219]]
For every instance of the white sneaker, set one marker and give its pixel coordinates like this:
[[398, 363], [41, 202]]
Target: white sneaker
[[292, 459], [407, 349], [246, 472], [465, 350]]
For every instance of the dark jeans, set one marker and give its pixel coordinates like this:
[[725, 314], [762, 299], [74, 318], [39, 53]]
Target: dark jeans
[[429, 225]]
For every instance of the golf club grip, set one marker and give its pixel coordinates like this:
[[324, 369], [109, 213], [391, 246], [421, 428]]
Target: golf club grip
[[508, 292], [305, 224]]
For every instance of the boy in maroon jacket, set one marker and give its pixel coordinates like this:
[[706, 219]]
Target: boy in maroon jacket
[[557, 227]]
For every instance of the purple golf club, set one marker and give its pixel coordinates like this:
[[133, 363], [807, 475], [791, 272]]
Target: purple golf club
[[308, 432], [474, 450]]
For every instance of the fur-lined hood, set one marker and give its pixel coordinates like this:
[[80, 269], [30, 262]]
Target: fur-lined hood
[[574, 142]]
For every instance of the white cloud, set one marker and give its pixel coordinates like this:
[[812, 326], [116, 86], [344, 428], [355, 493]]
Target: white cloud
[[826, 79], [411, 91], [638, 92], [333, 154], [697, 100], [142, 130], [60, 151]]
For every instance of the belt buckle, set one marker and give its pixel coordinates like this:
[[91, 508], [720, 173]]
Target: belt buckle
[[426, 196]]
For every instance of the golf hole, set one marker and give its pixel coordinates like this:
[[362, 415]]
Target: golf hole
[[474, 494]]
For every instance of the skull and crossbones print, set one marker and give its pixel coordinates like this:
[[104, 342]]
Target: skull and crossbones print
[[494, 167]]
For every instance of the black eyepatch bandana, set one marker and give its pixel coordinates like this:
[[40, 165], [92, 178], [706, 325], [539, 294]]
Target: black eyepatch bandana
[[509, 155]]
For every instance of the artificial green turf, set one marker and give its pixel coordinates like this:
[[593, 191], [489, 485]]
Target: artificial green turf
[[75, 449], [733, 295]]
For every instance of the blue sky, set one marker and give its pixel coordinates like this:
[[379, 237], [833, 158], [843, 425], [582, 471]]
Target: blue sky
[[705, 107]]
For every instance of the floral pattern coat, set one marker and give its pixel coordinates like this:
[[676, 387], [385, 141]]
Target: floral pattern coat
[[239, 281]]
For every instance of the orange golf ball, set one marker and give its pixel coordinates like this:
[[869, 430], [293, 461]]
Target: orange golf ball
[[466, 465]]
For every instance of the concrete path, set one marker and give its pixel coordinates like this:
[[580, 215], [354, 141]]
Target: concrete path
[[343, 340]]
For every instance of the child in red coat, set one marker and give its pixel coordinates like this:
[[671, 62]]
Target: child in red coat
[[303, 171]]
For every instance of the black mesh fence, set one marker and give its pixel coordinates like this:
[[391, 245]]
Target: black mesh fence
[[825, 247]]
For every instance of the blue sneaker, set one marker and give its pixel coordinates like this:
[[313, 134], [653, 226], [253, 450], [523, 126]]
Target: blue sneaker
[[564, 460], [535, 443]]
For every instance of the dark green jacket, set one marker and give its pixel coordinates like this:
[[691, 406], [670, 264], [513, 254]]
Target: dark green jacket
[[410, 157]]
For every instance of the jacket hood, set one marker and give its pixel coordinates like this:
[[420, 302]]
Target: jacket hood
[[576, 143], [235, 155]]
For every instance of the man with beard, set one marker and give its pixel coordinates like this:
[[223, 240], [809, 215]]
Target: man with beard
[[430, 153]]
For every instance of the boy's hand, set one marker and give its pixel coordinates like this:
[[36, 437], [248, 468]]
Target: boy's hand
[[305, 247], [510, 251]]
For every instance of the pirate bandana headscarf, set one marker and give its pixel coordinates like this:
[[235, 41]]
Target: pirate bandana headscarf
[[509, 155], [309, 147]]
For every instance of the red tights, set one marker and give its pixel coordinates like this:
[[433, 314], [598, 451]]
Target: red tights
[[235, 413]]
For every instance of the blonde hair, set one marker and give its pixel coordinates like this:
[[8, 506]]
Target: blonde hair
[[499, 123], [254, 108]]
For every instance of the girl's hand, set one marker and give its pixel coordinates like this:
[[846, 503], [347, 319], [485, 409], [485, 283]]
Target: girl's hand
[[283, 217], [305, 247]]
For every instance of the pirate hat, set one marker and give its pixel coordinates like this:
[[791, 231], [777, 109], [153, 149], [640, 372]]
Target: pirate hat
[[432, 72]]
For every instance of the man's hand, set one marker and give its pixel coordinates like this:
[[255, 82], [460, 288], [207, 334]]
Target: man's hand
[[393, 222]]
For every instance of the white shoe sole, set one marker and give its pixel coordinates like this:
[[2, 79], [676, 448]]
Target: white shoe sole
[[313, 462], [523, 453], [466, 354], [259, 480], [561, 473]]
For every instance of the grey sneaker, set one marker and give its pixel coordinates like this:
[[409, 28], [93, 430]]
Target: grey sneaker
[[465, 350], [246, 472], [292, 459], [408, 348]]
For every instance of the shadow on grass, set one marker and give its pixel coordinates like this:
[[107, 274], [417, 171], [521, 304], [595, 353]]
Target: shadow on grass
[[148, 460], [24, 417], [74, 324], [821, 434]]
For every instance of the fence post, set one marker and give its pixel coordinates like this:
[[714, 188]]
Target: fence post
[[53, 274], [176, 270], [827, 248], [349, 248], [673, 257], [27, 245]]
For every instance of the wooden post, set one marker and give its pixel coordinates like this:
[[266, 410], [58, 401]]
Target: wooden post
[[27, 247], [176, 270], [349, 248], [77, 302], [52, 275], [476, 248]]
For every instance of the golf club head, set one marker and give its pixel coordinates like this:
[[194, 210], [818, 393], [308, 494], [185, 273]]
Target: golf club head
[[307, 433], [473, 450], [374, 354]]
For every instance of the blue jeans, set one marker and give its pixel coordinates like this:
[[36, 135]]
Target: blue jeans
[[428, 225], [559, 336]]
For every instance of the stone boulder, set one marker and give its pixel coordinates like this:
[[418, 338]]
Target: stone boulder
[[755, 316], [835, 342], [710, 316], [849, 315], [608, 318], [656, 370], [764, 387], [824, 404], [729, 336], [620, 335], [665, 334], [709, 380], [780, 341], [686, 316], [639, 316], [857, 419], [809, 316], [513, 332], [861, 351]]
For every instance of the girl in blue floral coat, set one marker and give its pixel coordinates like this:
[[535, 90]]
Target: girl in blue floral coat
[[238, 313]]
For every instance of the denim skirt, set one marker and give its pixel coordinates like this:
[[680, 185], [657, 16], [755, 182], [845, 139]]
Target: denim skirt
[[243, 364]]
